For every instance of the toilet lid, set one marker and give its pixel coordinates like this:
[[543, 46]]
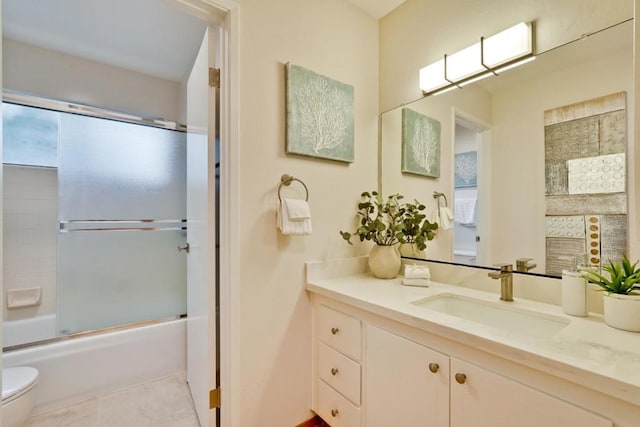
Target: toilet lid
[[15, 380]]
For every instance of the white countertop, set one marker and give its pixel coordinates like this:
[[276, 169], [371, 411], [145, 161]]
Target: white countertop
[[586, 351]]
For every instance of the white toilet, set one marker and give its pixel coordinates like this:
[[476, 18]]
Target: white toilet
[[18, 395]]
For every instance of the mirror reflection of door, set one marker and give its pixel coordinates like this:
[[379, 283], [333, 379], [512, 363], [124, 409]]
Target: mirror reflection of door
[[470, 143]]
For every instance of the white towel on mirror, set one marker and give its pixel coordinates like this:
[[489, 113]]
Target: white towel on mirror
[[299, 226], [465, 211], [446, 218]]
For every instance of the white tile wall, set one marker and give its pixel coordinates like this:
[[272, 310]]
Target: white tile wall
[[30, 230]]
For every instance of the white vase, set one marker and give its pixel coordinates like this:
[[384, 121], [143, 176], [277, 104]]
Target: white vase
[[622, 311], [410, 250], [384, 261]]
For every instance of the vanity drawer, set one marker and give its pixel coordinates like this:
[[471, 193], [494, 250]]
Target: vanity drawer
[[339, 331], [335, 409], [340, 372]]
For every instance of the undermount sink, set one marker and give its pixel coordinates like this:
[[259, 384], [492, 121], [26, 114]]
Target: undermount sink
[[497, 315]]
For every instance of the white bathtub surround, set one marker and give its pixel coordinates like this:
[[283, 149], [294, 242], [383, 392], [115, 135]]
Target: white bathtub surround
[[29, 330], [75, 370], [161, 402], [30, 228], [585, 352]]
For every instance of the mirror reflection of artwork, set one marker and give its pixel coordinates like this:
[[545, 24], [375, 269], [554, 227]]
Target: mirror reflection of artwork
[[466, 169], [585, 170], [420, 144], [319, 115]]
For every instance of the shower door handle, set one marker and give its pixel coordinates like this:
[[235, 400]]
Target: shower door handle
[[184, 248]]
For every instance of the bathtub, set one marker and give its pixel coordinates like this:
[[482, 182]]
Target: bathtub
[[78, 369], [38, 328]]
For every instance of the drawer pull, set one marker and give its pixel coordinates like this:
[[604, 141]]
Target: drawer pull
[[461, 378], [334, 413], [434, 367], [334, 371], [334, 331]]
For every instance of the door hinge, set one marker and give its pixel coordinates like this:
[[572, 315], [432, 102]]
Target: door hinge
[[214, 398], [214, 77]]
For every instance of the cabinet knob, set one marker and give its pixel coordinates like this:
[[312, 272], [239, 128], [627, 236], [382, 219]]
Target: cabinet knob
[[461, 378], [334, 371], [334, 331], [434, 367], [334, 413]]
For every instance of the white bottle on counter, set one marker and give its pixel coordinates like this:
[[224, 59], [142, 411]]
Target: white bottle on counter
[[574, 293]]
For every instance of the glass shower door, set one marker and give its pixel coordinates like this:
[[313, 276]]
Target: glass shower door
[[121, 210]]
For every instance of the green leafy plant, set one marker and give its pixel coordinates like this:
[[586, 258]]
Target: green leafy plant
[[388, 221], [380, 220], [623, 277], [416, 228]]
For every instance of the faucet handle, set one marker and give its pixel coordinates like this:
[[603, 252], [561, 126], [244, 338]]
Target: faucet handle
[[504, 266]]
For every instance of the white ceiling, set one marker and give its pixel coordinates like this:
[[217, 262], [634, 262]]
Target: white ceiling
[[149, 36], [377, 8]]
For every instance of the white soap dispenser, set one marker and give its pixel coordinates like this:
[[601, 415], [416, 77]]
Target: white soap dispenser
[[574, 289]]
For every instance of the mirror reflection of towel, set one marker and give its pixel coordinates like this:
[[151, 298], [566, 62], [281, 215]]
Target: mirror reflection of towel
[[465, 211], [442, 216]]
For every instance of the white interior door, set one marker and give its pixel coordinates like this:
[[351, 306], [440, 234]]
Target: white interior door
[[201, 235]]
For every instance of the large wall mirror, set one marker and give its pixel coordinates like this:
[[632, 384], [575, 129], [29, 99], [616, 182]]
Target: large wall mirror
[[534, 161]]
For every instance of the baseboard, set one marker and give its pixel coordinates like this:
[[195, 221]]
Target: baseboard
[[313, 422]]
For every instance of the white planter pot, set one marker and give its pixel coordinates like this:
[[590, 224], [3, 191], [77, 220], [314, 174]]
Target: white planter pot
[[411, 250], [384, 261], [622, 311]]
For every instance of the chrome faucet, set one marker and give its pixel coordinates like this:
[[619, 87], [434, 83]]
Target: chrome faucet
[[506, 281], [525, 264]]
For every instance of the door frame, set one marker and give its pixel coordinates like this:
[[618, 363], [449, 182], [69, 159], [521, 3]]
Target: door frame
[[483, 131], [225, 13]]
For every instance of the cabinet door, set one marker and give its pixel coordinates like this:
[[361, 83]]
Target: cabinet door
[[400, 387], [485, 399]]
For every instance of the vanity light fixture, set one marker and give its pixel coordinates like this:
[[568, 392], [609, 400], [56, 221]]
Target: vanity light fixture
[[500, 52]]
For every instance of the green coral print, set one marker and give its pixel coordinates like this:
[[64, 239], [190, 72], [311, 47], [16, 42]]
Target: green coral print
[[319, 115], [420, 144]]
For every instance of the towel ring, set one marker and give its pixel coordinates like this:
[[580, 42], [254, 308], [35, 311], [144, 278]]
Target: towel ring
[[437, 195], [286, 180]]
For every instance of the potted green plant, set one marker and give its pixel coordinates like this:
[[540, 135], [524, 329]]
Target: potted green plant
[[417, 230], [621, 287], [380, 221]]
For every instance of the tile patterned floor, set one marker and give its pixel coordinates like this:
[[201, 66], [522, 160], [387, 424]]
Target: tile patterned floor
[[165, 402]]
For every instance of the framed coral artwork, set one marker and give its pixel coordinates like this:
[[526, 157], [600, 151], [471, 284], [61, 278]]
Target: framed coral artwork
[[319, 115], [466, 169], [420, 144]]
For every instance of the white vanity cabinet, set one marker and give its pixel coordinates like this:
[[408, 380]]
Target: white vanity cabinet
[[337, 366], [370, 375], [406, 384], [480, 398]]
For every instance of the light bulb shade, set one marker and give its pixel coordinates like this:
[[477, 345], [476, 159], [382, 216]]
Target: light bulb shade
[[466, 65], [508, 45], [432, 77]]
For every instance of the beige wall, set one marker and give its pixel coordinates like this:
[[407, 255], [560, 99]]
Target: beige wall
[[335, 39], [51, 74], [419, 32]]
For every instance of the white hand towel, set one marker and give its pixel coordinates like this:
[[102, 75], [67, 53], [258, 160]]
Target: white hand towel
[[465, 211], [297, 209], [416, 272], [416, 282], [301, 226], [446, 216]]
